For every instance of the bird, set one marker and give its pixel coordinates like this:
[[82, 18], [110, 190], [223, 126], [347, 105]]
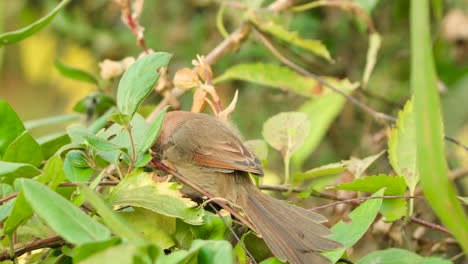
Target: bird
[[210, 153]]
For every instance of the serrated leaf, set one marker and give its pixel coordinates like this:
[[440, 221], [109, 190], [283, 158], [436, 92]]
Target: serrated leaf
[[395, 185], [24, 149], [393, 209], [399, 256], [138, 81], [62, 216], [113, 220], [152, 132], [140, 190], [18, 35], [281, 32], [9, 171], [402, 147], [10, 126], [374, 45], [75, 73], [286, 131], [270, 75], [349, 233]]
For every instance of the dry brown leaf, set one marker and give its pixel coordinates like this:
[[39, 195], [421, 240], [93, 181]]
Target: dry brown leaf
[[198, 101], [185, 79], [203, 69], [226, 113]]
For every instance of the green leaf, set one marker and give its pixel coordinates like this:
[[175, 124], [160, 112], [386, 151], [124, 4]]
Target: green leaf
[[24, 149], [201, 251], [349, 233], [138, 81], [101, 122], [21, 211], [329, 169], [51, 120], [76, 174], [374, 45], [118, 135], [321, 112], [399, 256], [272, 260], [121, 119], [53, 173], [62, 216], [259, 147], [94, 103], [78, 158], [213, 227], [18, 35], [140, 190], [156, 228], [393, 209], [52, 143], [431, 161], [286, 131], [75, 73], [10, 127], [217, 251], [82, 252], [395, 185], [126, 254], [99, 143], [358, 166], [5, 209], [270, 75], [112, 219], [9, 171], [152, 132], [402, 147], [281, 32]]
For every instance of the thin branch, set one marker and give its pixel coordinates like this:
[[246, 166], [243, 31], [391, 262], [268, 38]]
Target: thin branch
[[364, 199], [430, 225], [52, 242], [205, 193], [292, 65], [377, 115], [234, 234]]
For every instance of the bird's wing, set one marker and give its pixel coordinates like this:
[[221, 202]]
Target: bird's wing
[[214, 145], [224, 155]]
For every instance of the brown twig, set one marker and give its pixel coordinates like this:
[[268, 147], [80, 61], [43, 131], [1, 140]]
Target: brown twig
[[430, 225], [365, 199], [133, 23], [52, 242]]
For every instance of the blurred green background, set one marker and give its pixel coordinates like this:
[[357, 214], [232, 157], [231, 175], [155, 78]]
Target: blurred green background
[[89, 31]]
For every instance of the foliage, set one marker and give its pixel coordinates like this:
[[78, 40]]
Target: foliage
[[87, 192]]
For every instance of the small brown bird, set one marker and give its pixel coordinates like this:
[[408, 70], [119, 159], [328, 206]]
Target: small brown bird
[[209, 152]]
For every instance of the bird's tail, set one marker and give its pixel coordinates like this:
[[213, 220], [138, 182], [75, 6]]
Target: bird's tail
[[292, 233]]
